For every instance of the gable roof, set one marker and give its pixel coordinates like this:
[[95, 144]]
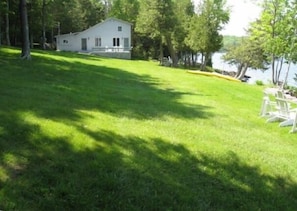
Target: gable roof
[[96, 25], [69, 34], [119, 20], [106, 20]]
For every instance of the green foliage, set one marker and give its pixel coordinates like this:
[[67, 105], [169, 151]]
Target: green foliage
[[230, 42], [155, 18], [209, 69], [72, 16], [167, 22], [183, 10], [125, 9], [259, 83], [292, 90], [276, 31], [83, 14], [204, 28], [247, 52]]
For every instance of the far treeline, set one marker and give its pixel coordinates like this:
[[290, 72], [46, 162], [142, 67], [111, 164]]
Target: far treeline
[[230, 42], [161, 28]]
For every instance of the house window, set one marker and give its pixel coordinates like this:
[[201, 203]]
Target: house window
[[65, 41], [116, 42], [119, 28], [126, 43], [98, 41]]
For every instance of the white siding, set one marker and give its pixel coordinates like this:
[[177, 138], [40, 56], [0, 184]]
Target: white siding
[[69, 42], [107, 31]]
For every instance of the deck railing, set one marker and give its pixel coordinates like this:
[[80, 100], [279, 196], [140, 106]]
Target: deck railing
[[111, 49]]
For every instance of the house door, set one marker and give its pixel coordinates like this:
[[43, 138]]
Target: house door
[[84, 44], [126, 44]]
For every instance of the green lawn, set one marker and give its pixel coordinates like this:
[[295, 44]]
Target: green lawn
[[86, 133]]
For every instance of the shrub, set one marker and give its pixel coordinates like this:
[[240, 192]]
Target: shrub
[[259, 83], [292, 91], [209, 69]]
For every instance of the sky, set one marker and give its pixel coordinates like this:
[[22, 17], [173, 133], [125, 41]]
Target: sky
[[242, 13]]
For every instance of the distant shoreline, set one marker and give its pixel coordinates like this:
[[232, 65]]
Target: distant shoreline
[[264, 76]]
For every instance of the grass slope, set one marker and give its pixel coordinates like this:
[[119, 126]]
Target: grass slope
[[85, 133]]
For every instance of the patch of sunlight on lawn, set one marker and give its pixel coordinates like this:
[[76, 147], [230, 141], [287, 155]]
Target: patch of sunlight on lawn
[[11, 164], [3, 174], [10, 50], [55, 129]]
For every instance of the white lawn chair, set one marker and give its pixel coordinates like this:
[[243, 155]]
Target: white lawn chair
[[279, 110], [294, 129], [284, 114], [268, 106]]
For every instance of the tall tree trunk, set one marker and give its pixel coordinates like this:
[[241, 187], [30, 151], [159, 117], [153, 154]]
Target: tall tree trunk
[[0, 28], [43, 26], [286, 77], [171, 50], [279, 69], [273, 70], [7, 24], [184, 58], [31, 40], [239, 70], [243, 71], [161, 55], [206, 59], [26, 54], [202, 60]]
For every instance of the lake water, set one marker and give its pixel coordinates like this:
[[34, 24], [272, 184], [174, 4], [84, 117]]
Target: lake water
[[264, 76]]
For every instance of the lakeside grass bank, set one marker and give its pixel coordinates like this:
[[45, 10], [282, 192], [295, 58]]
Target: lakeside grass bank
[[87, 133]]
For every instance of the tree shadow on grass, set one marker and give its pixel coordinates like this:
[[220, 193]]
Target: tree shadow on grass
[[131, 173], [110, 171], [56, 88]]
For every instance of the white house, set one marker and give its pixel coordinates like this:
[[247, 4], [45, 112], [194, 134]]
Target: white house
[[111, 38]]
